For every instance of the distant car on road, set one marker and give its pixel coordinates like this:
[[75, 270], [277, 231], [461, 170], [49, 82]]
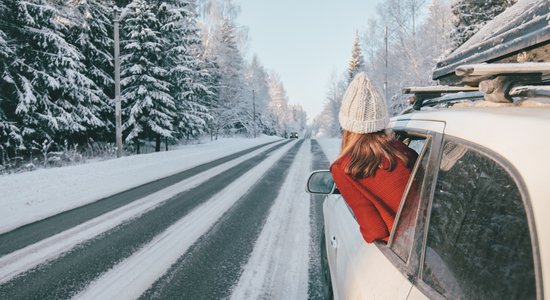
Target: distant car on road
[[294, 135]]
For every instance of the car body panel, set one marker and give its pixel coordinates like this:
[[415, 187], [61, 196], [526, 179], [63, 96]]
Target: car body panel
[[520, 125], [362, 271], [358, 270], [416, 294], [423, 125]]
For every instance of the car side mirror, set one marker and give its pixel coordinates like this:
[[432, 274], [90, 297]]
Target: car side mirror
[[321, 182]]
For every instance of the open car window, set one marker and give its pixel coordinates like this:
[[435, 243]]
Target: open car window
[[403, 233], [404, 227]]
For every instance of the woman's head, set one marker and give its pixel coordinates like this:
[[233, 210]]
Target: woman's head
[[363, 110], [364, 119]]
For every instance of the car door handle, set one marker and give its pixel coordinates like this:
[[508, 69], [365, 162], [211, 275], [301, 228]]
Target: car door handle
[[333, 242]]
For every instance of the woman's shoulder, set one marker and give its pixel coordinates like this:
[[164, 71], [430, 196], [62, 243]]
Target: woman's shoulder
[[340, 162]]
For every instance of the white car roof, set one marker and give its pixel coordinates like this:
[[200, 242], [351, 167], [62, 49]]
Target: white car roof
[[519, 134]]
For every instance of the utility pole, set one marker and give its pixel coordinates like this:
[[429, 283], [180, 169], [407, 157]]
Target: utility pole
[[254, 111], [386, 63], [118, 121]]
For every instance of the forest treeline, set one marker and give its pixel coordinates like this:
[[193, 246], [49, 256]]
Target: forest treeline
[[183, 75]]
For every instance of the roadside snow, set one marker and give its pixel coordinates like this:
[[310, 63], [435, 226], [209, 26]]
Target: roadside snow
[[331, 147], [24, 259], [278, 265], [32, 196], [133, 276]]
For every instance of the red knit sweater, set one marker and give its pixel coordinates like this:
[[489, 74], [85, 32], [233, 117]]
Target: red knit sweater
[[375, 200]]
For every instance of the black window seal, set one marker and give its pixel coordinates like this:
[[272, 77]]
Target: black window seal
[[514, 174]]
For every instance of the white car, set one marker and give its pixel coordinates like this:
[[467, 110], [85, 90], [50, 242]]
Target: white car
[[473, 221]]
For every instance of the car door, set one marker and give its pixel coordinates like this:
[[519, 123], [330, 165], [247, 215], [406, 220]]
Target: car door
[[358, 269], [478, 242]]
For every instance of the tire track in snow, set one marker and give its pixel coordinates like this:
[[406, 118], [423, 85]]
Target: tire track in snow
[[36, 231], [65, 276], [278, 266], [133, 276], [214, 263], [317, 287], [47, 249]]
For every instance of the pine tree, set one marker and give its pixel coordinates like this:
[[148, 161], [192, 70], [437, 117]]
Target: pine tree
[[148, 105], [10, 135], [471, 15], [187, 73], [55, 99], [357, 63], [93, 37], [278, 105], [257, 79], [231, 114]]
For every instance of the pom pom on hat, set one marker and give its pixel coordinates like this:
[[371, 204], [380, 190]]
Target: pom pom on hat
[[363, 110]]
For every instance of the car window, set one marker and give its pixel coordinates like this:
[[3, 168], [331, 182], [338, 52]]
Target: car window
[[404, 229], [478, 244]]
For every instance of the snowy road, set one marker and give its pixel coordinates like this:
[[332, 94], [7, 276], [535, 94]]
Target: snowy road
[[238, 227]]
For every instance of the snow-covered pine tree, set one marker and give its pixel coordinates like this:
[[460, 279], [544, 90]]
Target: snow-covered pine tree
[[257, 79], [187, 71], [328, 123], [470, 15], [232, 105], [10, 135], [233, 115], [278, 105], [93, 37], [298, 118], [357, 62], [434, 34], [147, 104], [55, 99]]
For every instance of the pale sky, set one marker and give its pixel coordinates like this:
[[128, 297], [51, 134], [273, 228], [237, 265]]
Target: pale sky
[[304, 41]]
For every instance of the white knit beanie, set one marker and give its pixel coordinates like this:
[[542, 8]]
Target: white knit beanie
[[363, 110]]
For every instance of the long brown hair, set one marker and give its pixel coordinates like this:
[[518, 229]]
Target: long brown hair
[[368, 150]]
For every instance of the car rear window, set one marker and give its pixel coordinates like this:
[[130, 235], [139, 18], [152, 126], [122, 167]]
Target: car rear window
[[478, 244]]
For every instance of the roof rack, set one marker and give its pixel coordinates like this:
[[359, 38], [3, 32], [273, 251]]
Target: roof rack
[[497, 82], [421, 94], [519, 34]]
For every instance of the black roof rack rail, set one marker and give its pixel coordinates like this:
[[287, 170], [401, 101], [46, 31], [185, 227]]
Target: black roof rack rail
[[423, 94], [454, 98], [497, 82], [531, 91]]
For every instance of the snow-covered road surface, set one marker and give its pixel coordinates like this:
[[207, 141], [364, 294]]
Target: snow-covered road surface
[[132, 277], [147, 246], [278, 266], [23, 259]]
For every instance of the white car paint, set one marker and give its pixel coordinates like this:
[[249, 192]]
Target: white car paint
[[361, 271]]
